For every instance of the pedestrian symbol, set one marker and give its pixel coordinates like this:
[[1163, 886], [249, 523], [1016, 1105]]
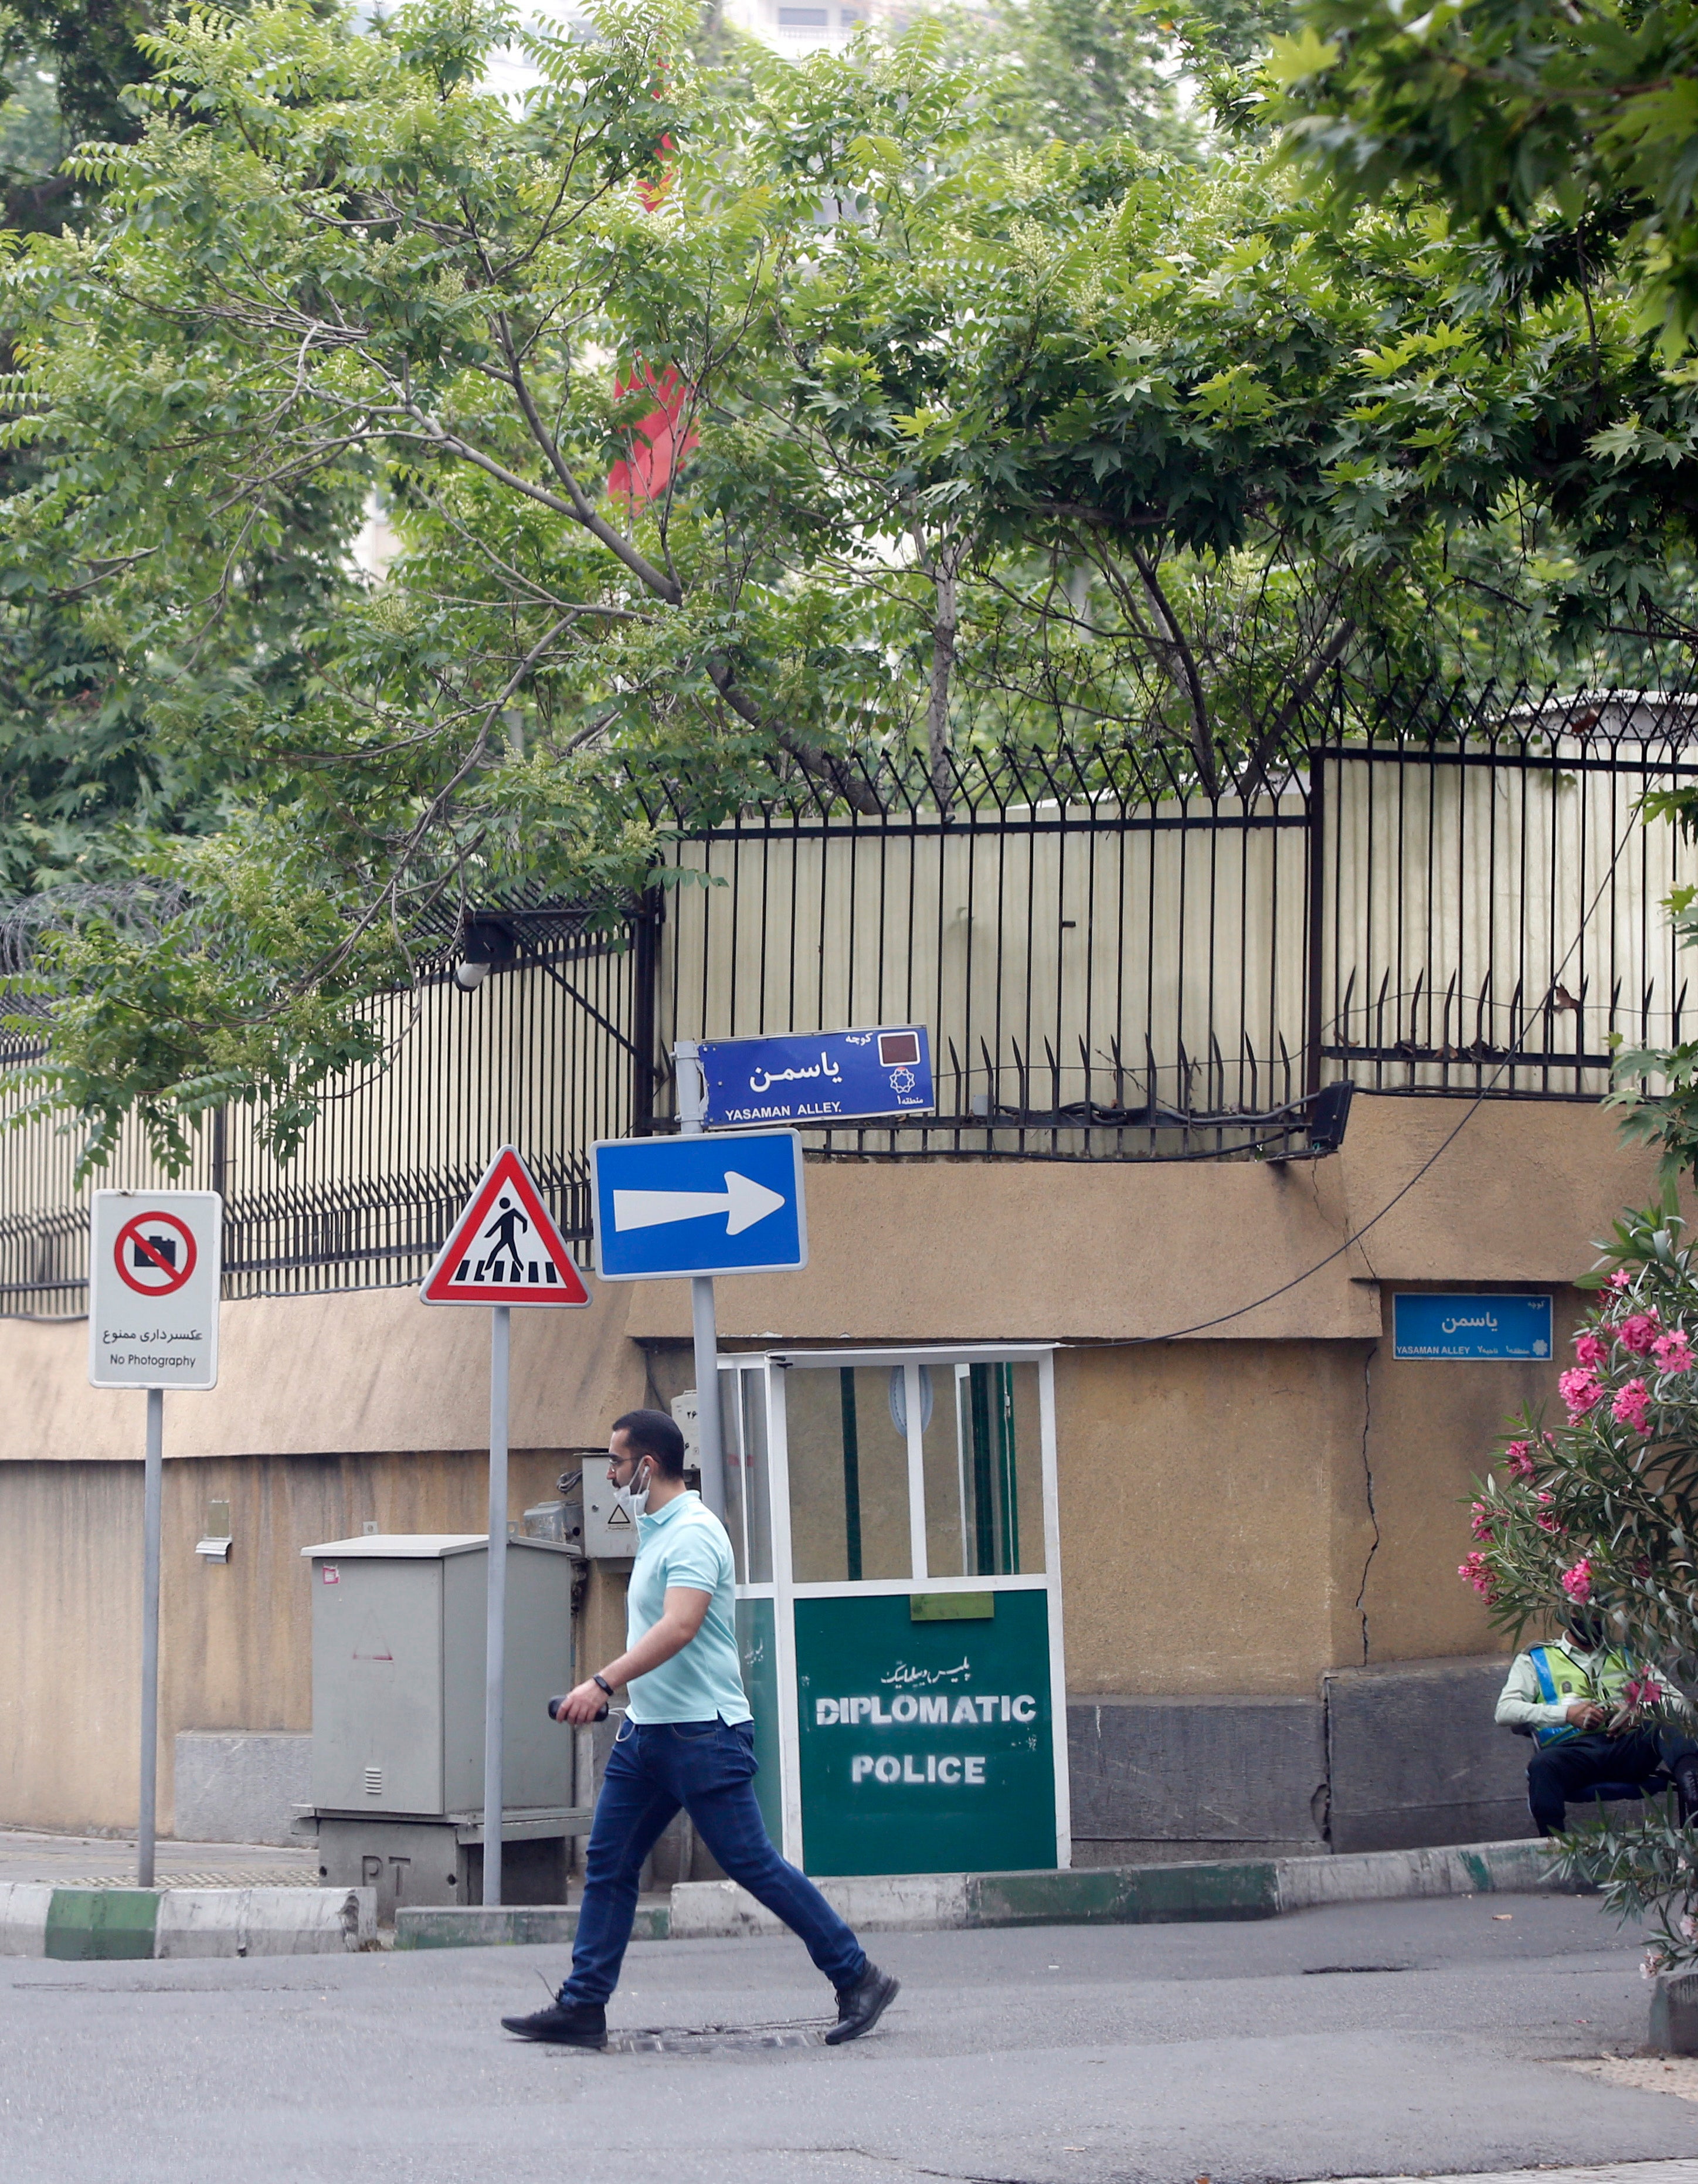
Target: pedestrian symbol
[[501, 1232], [506, 1247]]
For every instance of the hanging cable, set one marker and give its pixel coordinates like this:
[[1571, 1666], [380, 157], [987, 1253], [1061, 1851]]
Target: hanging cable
[[1508, 1061]]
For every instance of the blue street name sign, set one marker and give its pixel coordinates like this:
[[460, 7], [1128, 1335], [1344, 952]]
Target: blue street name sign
[[819, 1077], [1465, 1326], [699, 1206]]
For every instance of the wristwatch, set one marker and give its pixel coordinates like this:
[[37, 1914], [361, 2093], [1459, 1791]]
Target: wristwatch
[[601, 1684]]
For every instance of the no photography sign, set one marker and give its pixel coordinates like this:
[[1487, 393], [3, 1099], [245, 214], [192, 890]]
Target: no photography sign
[[152, 1288]]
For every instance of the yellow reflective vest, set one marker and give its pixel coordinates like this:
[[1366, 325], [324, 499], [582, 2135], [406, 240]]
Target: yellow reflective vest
[[1561, 1677]]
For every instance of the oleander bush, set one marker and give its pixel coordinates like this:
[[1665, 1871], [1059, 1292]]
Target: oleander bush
[[1602, 1511]]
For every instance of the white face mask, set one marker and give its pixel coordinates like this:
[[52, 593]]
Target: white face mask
[[637, 1492]]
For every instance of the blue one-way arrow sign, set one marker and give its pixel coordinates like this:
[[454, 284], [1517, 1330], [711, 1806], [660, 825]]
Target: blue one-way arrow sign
[[699, 1206]]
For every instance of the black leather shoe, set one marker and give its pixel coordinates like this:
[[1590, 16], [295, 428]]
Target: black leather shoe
[[861, 2007], [568, 2024]]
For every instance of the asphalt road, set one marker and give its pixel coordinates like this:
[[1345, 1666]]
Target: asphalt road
[[1365, 2041]]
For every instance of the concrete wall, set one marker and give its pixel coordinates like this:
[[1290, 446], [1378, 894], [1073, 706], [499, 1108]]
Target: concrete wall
[[1246, 1511], [245, 1786], [1428, 1429], [1156, 1779], [235, 1650], [1213, 1518], [1414, 1757]]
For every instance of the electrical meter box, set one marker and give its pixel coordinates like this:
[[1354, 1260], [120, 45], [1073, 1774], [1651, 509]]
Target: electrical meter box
[[398, 1624], [610, 1522]]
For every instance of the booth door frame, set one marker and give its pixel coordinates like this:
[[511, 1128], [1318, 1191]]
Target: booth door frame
[[783, 1591]]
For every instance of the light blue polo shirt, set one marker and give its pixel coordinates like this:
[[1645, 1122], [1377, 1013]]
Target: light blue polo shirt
[[686, 1544]]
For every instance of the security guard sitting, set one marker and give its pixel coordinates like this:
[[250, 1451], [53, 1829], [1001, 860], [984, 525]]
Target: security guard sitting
[[1570, 1697]]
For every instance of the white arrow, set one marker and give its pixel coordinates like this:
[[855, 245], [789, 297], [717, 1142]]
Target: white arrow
[[743, 1201]]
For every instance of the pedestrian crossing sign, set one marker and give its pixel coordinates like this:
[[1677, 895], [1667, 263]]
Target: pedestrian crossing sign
[[506, 1247]]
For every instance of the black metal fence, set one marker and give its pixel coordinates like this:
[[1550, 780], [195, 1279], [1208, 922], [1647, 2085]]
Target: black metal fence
[[1113, 964], [540, 1055]]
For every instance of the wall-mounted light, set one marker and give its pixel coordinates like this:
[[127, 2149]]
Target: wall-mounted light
[[484, 942], [1328, 1115]]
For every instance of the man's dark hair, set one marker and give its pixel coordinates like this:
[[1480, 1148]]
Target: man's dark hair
[[652, 1434]]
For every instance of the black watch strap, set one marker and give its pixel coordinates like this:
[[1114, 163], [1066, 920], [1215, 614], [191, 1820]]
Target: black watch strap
[[601, 1684]]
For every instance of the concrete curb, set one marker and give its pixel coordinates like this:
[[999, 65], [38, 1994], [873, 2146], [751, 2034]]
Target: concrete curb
[[514, 1926], [1513, 1869], [1130, 1896], [77, 1925], [1113, 1895], [1674, 2013], [264, 1922], [24, 1907]]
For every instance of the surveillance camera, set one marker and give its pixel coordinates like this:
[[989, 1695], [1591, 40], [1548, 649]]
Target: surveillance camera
[[467, 976]]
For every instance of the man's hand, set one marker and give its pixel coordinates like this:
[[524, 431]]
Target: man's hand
[[1584, 1714], [581, 1704]]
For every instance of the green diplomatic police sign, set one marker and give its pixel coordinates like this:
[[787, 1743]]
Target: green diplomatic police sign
[[926, 1732]]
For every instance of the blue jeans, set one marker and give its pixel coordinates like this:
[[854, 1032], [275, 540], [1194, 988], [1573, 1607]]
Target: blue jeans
[[708, 1767]]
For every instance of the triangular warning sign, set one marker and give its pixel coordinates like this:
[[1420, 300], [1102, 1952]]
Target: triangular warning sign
[[506, 1248]]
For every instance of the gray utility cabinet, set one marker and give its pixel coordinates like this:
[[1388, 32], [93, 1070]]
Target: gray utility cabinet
[[398, 1625]]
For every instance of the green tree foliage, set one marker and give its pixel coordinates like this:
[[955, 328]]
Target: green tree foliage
[[66, 69], [1567, 134], [1076, 72], [975, 437]]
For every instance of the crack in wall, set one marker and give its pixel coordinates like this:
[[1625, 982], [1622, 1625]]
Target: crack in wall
[[1367, 1476]]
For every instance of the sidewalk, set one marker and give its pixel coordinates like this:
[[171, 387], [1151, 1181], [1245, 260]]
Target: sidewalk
[[109, 1862]]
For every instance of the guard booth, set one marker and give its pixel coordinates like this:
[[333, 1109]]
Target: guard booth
[[893, 1514]]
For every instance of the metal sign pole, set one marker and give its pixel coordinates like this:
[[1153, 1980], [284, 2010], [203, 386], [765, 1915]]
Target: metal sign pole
[[152, 1478], [709, 1435], [495, 1635]]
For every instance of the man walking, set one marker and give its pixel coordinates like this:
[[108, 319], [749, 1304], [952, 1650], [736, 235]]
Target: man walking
[[687, 1740]]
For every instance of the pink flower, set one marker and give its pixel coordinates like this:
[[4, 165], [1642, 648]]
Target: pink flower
[[1519, 1454], [1642, 1690], [1479, 1522], [1472, 1571], [1632, 1406], [1591, 1349], [1580, 1390], [1576, 1582], [1639, 1333], [1673, 1351], [1545, 1522], [1621, 1279]]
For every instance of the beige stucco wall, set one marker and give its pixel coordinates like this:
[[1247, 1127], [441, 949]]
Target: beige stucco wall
[[1240, 1511], [368, 1371], [235, 1638], [1429, 1429], [902, 1251], [977, 1251], [1212, 1515]]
